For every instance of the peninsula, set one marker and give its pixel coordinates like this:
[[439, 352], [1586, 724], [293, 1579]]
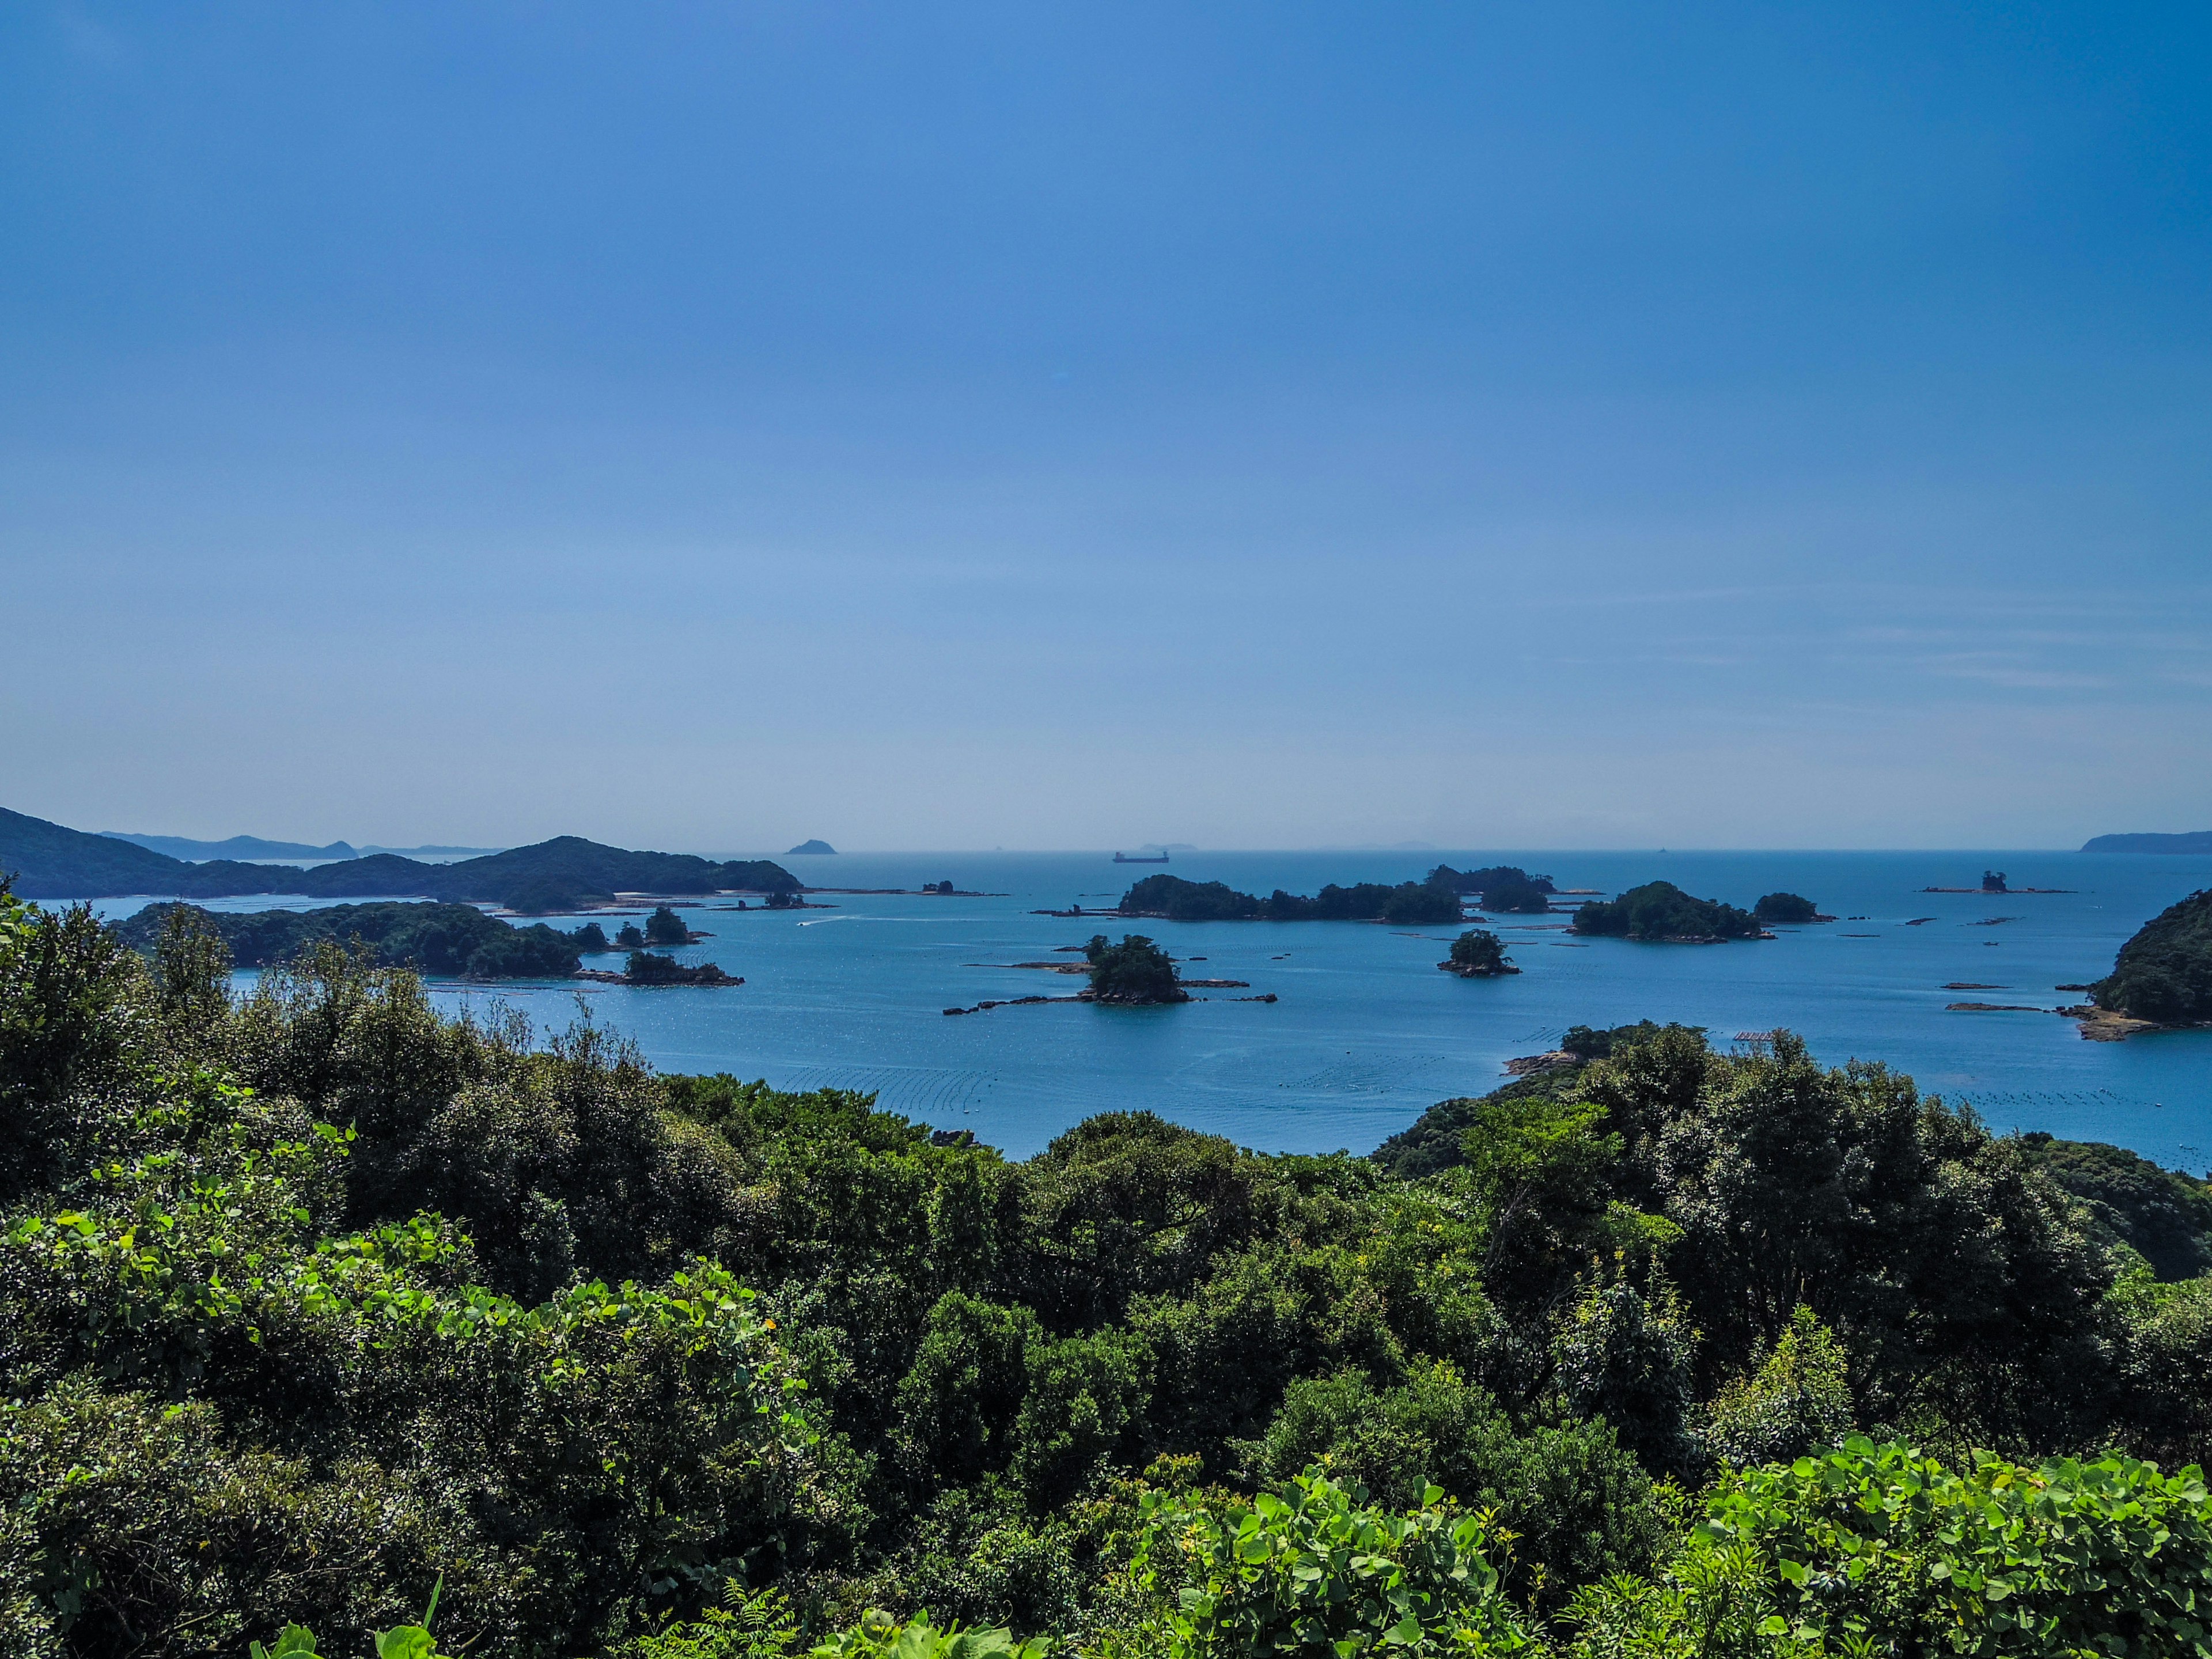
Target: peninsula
[[567, 874], [2162, 977], [443, 940], [2190, 841]]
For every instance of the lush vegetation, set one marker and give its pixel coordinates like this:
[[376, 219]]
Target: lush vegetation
[[51, 861], [1477, 954], [443, 939], [1502, 887], [1409, 904], [1135, 970], [664, 926], [1659, 910], [312, 1302], [2164, 972], [1788, 910]]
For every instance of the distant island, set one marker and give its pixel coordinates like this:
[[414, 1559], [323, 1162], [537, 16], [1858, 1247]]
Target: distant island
[[50, 860], [1661, 913], [448, 940], [811, 848], [2163, 975], [2192, 840], [1171, 898]]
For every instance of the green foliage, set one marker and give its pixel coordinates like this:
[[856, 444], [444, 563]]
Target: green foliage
[[743, 1625], [1136, 970], [1312, 1569], [2164, 972], [2165, 1215], [1477, 953], [1785, 909], [664, 926], [1662, 911], [1798, 1400], [879, 1636], [1578, 1505], [2063, 1559]]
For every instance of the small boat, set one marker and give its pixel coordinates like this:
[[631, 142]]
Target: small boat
[[1141, 857]]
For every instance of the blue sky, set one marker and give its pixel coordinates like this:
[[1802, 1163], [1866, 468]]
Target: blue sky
[[709, 425]]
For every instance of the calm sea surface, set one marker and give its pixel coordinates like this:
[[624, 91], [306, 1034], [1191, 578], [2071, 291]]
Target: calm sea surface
[[1367, 1032]]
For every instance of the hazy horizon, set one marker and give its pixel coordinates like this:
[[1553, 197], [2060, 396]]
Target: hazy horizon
[[1577, 427]]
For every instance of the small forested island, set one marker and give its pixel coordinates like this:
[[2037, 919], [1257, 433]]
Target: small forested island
[[1661, 912], [1477, 954], [2163, 975], [1787, 910], [1409, 904], [1502, 887], [315, 1302], [811, 848], [439, 939], [1134, 971], [651, 967]]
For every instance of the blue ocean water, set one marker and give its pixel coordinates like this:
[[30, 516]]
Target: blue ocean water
[[1366, 1032]]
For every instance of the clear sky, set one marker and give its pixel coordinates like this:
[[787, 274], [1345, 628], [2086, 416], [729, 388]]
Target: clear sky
[[707, 425]]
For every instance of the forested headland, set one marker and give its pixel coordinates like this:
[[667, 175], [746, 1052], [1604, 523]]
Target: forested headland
[[2164, 974], [50, 860], [314, 1302], [1410, 904], [438, 940]]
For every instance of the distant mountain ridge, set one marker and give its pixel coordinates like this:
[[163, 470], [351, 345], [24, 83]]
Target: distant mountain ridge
[[255, 846], [2192, 840], [51, 861], [237, 846]]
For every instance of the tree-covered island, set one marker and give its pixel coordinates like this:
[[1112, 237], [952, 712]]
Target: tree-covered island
[[1134, 971], [1477, 954], [1409, 904], [1659, 911], [1786, 910]]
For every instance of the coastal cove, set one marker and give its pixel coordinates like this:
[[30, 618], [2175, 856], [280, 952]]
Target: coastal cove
[[1366, 1033]]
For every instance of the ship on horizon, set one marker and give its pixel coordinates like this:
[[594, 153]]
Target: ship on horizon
[[1141, 857]]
